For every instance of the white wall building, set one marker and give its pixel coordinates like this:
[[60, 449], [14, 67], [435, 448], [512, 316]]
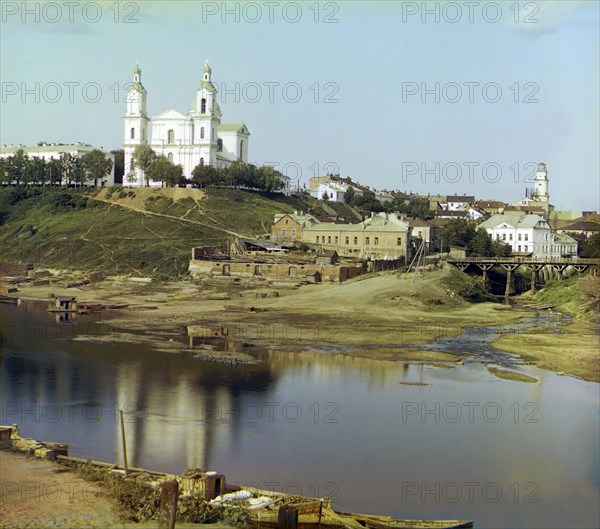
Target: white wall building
[[529, 234], [54, 150], [197, 137]]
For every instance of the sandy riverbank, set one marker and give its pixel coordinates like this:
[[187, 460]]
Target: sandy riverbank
[[378, 316]]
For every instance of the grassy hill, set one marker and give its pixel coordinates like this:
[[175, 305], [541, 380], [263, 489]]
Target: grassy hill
[[133, 231]]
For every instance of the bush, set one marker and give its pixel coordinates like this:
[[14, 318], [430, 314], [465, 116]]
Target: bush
[[465, 286]]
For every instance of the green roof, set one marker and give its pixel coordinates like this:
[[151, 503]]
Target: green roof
[[516, 220], [563, 238], [49, 148], [233, 127]]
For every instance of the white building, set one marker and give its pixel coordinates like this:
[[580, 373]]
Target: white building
[[529, 234], [336, 191], [191, 139], [54, 150], [457, 202]]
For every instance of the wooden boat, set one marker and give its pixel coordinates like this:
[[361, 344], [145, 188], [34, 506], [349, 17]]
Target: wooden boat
[[9, 299], [300, 512]]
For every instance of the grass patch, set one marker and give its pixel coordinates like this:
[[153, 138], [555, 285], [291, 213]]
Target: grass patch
[[577, 296], [512, 375], [465, 286]]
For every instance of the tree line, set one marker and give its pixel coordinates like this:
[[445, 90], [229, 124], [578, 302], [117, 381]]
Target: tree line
[[467, 234], [21, 169], [158, 168]]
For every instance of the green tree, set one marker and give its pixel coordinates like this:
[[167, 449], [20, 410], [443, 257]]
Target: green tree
[[119, 165], [71, 168], [481, 243], [36, 171], [349, 195], [17, 164], [163, 170], [96, 166], [205, 175], [54, 170], [458, 232], [591, 247], [144, 158], [501, 249]]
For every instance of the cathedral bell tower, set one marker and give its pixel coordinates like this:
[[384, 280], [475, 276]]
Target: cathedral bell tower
[[136, 126], [540, 192]]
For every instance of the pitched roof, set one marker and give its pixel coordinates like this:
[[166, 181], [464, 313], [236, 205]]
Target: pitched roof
[[563, 238], [233, 127], [516, 220], [581, 225], [461, 198]]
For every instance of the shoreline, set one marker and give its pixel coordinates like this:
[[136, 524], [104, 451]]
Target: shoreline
[[380, 317]]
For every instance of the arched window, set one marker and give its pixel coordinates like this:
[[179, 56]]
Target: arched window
[[171, 136], [133, 133], [201, 161], [241, 148], [202, 133], [203, 106], [170, 156], [219, 144]]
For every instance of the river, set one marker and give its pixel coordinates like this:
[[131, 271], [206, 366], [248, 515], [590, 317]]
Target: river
[[454, 443]]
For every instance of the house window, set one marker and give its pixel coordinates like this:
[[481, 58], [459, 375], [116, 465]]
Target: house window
[[347, 240], [317, 241], [355, 240], [219, 145], [283, 232], [170, 157], [201, 133], [294, 232], [510, 237], [329, 238], [519, 248], [241, 148], [132, 133], [376, 241], [526, 236], [398, 241], [323, 239], [367, 240], [336, 240], [504, 236], [203, 106], [171, 136], [201, 161], [286, 221], [193, 131], [519, 236], [497, 236]]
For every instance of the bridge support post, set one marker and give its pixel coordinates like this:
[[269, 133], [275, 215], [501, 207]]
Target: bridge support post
[[485, 267], [535, 268], [559, 271], [580, 268], [510, 268]]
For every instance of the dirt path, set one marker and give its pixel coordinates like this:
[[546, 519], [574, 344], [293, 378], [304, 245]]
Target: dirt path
[[36, 493]]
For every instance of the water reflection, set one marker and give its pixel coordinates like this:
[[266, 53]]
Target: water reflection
[[313, 422]]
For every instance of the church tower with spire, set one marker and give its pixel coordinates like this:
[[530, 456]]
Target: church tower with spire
[[136, 124]]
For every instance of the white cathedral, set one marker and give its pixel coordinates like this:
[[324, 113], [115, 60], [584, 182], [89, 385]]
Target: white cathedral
[[186, 140]]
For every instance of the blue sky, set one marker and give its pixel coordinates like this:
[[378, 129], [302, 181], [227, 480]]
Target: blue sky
[[361, 68]]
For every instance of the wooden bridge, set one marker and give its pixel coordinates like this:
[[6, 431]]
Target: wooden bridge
[[510, 264]]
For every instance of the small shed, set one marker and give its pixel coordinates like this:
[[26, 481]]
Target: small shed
[[327, 257], [313, 276], [209, 484], [66, 304]]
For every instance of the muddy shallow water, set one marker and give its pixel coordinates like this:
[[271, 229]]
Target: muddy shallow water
[[465, 445]]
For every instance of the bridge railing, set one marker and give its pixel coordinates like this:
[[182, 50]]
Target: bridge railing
[[524, 260]]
